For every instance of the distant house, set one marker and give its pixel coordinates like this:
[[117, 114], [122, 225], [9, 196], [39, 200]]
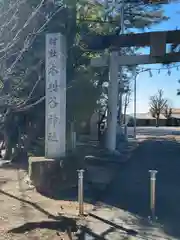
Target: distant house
[[142, 119], [175, 117], [146, 119]]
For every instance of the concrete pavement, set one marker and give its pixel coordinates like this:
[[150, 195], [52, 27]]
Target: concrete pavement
[[154, 131], [127, 201]]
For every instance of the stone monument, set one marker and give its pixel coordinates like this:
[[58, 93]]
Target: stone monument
[[55, 141]]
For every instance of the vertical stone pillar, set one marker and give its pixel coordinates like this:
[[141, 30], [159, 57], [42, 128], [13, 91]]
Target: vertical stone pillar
[[112, 102], [55, 133]]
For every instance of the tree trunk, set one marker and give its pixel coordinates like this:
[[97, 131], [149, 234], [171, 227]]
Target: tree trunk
[[120, 120], [19, 154], [126, 103], [2, 145], [103, 116], [9, 134], [157, 121], [32, 134], [8, 147], [125, 109]]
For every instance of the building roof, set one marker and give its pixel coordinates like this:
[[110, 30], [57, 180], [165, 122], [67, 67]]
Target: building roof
[[146, 116], [175, 110], [175, 116]]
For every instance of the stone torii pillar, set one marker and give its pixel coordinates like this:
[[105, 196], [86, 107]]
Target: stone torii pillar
[[112, 101], [112, 97], [157, 42]]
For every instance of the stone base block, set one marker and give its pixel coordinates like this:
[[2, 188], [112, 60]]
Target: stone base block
[[41, 171]]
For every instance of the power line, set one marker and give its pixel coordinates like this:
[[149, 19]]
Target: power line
[[159, 70], [165, 68], [144, 2]]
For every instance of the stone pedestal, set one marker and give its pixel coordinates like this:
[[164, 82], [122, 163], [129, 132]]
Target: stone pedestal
[[41, 171], [50, 176]]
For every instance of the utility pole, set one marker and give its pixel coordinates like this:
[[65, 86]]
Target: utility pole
[[135, 96]]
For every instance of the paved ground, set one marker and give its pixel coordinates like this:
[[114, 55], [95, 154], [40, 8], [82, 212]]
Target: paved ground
[[154, 131], [125, 204], [129, 194], [27, 215]]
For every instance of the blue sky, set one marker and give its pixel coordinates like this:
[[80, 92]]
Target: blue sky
[[148, 86]]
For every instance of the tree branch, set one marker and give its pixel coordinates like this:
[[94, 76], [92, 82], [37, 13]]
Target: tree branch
[[31, 93], [29, 42], [27, 107], [4, 14], [31, 105], [16, 37]]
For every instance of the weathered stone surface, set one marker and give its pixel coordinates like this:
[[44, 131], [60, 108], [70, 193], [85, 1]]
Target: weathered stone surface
[[57, 178], [41, 170], [51, 177]]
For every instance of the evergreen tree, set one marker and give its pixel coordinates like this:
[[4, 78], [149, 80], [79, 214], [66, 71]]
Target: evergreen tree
[[22, 55]]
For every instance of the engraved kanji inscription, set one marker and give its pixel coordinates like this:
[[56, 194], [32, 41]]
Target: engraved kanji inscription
[[52, 70], [53, 119], [53, 86], [52, 137], [52, 102], [52, 53], [53, 41]]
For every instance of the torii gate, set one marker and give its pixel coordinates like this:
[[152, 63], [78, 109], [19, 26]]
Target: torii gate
[[157, 42]]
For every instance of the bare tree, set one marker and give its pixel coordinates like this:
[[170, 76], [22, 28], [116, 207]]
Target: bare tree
[[178, 90], [168, 113], [127, 99], [157, 105]]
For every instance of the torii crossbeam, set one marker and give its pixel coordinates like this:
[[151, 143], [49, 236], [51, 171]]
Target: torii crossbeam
[[157, 42], [101, 42]]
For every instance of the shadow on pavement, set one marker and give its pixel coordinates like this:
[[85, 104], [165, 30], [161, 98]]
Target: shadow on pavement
[[62, 225], [131, 188], [70, 227]]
